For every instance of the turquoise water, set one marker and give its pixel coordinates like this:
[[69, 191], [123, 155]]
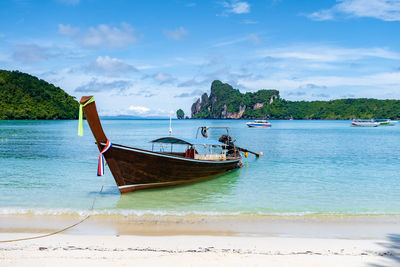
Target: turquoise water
[[308, 167]]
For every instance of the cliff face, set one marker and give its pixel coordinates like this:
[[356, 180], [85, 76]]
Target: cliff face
[[225, 102]]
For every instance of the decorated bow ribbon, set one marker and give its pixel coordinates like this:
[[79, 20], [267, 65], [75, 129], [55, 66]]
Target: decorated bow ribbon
[[80, 126], [100, 167]]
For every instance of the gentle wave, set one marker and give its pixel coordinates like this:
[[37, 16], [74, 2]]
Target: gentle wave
[[129, 212]]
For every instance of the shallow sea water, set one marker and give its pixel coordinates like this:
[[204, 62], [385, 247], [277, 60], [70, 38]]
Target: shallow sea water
[[308, 167]]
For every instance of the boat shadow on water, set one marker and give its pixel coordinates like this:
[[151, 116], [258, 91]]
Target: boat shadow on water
[[169, 198]]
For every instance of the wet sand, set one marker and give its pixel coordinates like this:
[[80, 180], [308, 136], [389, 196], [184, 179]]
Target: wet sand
[[202, 240], [321, 226]]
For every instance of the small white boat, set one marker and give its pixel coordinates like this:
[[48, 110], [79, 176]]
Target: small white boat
[[259, 124], [365, 123]]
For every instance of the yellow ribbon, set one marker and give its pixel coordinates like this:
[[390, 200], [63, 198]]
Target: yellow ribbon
[[80, 126]]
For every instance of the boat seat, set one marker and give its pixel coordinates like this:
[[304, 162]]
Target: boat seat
[[214, 157], [189, 154]]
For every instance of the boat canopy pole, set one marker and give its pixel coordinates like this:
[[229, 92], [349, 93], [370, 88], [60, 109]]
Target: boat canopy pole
[[170, 124]]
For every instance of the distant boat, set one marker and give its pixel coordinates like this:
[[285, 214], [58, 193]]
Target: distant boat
[[365, 123], [387, 122], [259, 124], [135, 169]]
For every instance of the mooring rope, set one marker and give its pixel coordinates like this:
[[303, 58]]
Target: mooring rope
[[58, 231]]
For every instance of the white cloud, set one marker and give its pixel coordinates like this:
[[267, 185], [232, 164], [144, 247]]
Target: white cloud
[[327, 53], [237, 7], [102, 36], [177, 34], [104, 86], [194, 83], [359, 85], [230, 42], [110, 37], [31, 53], [161, 77], [138, 110], [109, 65], [383, 80], [67, 30], [387, 10], [190, 94], [255, 39], [146, 67], [325, 14]]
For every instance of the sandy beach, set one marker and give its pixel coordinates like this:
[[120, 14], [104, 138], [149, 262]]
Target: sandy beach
[[201, 241]]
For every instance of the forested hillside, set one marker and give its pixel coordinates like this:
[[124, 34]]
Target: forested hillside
[[23, 96], [225, 102]]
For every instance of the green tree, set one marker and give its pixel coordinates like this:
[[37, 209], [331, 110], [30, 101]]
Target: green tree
[[23, 96], [180, 114], [267, 104]]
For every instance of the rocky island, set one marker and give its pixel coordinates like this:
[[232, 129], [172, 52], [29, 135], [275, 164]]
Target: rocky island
[[225, 102]]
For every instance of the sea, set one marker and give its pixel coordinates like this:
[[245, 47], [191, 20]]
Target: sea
[[307, 167]]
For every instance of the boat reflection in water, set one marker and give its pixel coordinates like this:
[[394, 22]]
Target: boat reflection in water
[[181, 199]]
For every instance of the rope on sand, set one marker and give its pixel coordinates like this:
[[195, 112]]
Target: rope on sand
[[58, 231]]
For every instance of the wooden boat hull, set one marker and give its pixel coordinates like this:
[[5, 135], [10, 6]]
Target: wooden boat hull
[[136, 169]]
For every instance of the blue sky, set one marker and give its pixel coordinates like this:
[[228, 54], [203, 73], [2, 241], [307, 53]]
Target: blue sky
[[152, 57]]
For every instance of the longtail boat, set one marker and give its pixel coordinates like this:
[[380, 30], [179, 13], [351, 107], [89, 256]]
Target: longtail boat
[[136, 169]]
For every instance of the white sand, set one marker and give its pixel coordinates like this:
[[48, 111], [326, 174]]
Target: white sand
[[103, 250], [99, 246]]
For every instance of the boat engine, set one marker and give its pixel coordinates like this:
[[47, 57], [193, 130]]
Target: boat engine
[[226, 139]]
